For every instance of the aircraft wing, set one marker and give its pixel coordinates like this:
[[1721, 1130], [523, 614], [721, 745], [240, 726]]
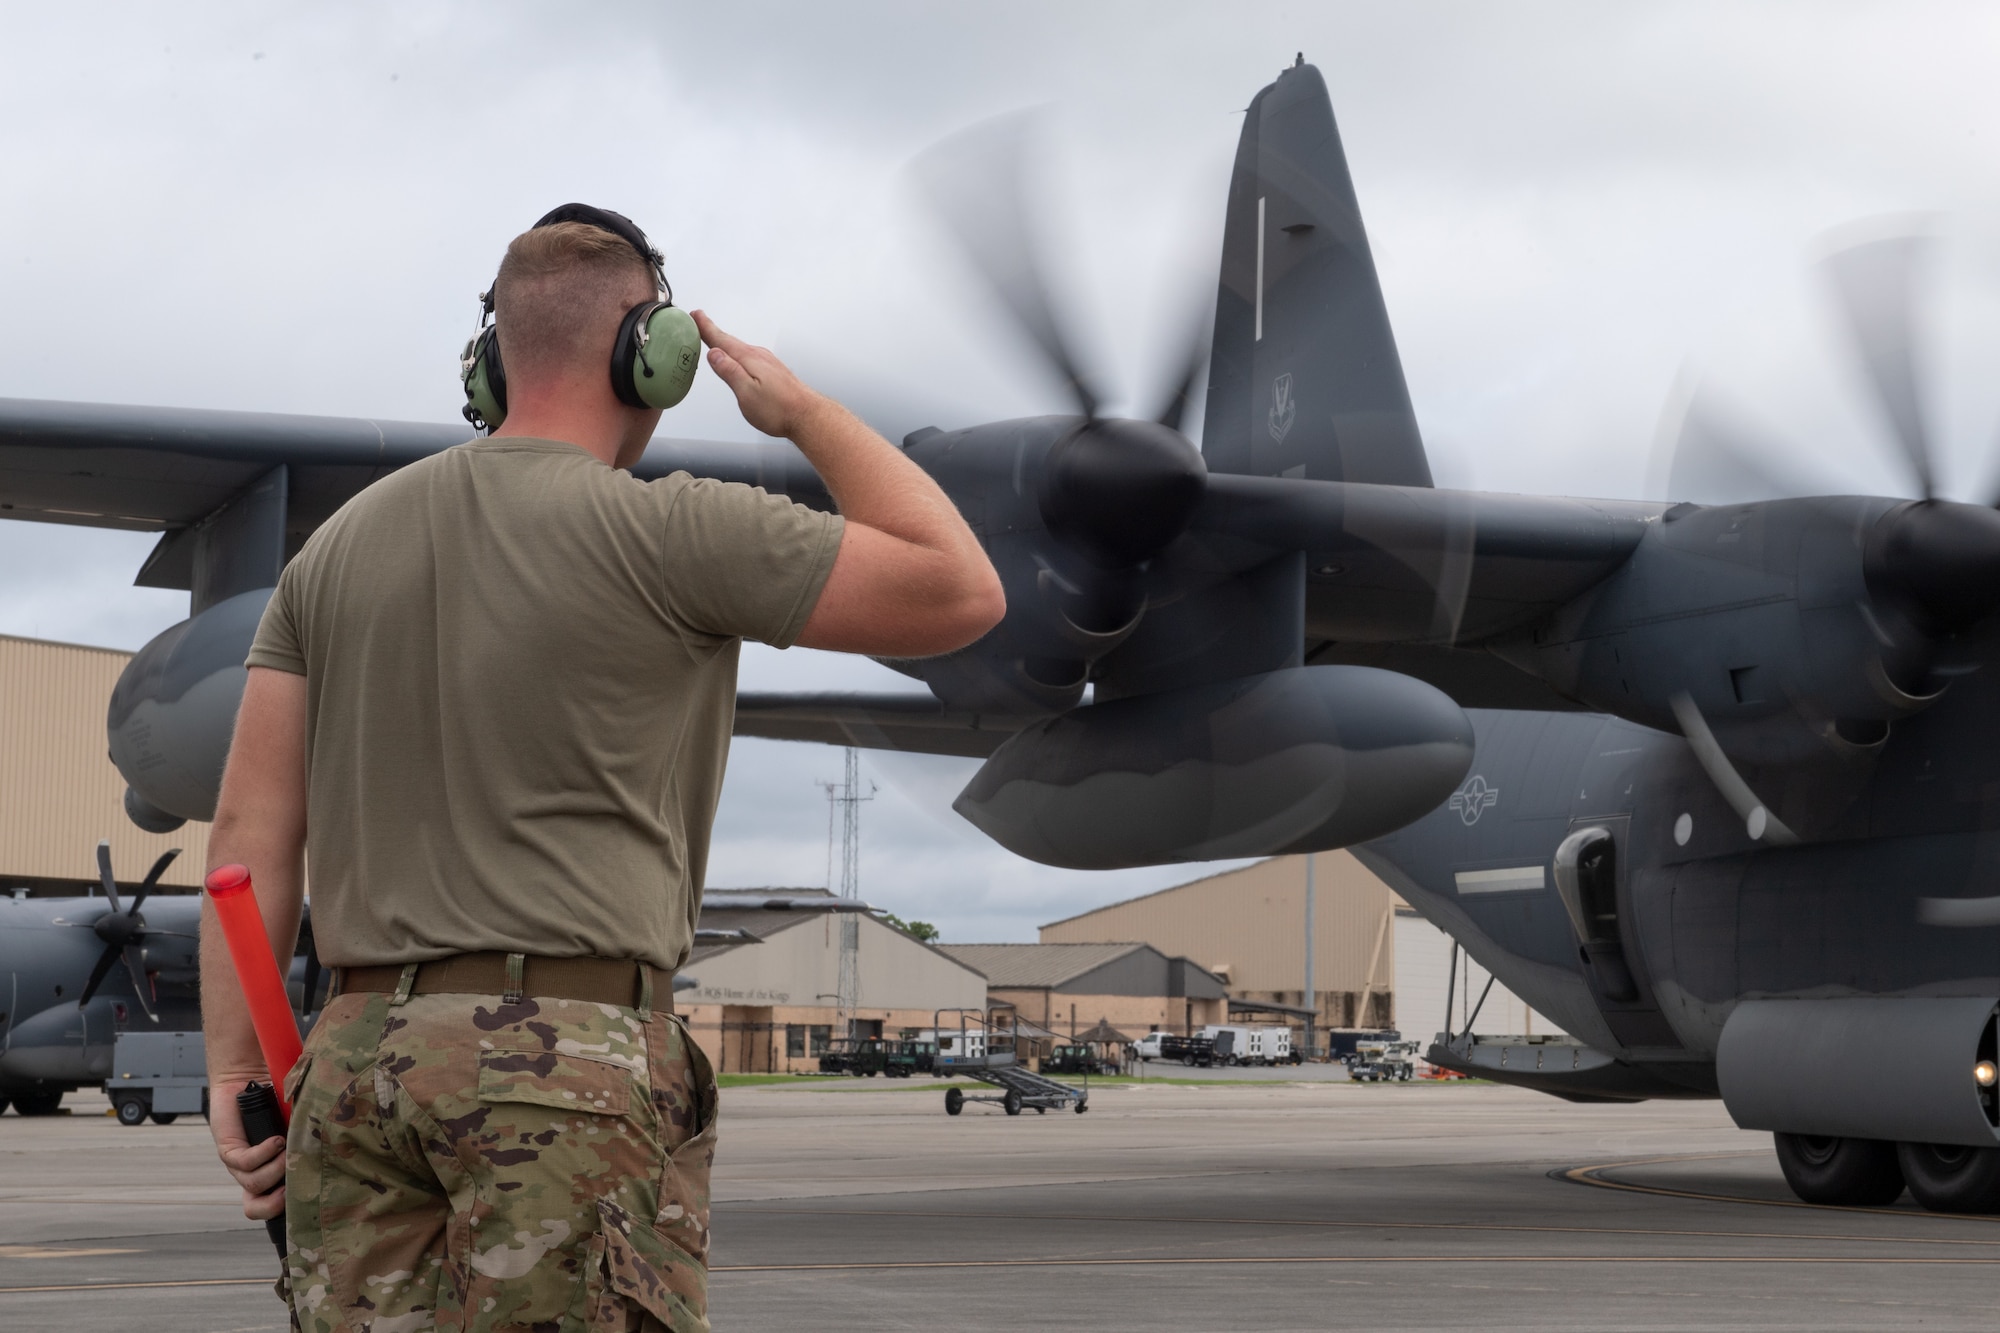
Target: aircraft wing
[[163, 469], [906, 721]]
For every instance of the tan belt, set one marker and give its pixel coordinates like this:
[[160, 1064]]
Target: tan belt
[[514, 976]]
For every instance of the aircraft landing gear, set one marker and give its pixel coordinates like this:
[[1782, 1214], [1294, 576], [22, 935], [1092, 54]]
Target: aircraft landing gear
[[38, 1103], [1948, 1178], [1853, 1172]]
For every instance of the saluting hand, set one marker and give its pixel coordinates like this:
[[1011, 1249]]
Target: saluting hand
[[771, 397]]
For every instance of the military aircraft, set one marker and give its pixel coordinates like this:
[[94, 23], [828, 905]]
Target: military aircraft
[[1709, 784], [78, 972]]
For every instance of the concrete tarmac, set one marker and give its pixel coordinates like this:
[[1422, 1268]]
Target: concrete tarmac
[[859, 1205]]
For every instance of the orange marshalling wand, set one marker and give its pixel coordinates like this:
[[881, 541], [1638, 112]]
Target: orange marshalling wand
[[235, 900]]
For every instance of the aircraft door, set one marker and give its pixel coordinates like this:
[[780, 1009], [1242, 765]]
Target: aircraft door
[[1593, 881]]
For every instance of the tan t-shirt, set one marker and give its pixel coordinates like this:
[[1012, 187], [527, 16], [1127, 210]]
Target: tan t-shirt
[[521, 677]]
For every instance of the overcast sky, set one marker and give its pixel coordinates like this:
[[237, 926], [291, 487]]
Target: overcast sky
[[239, 206]]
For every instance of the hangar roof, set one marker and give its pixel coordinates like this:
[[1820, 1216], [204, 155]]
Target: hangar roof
[[1087, 969]]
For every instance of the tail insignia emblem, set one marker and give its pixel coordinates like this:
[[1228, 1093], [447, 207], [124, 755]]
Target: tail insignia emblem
[[1283, 410]]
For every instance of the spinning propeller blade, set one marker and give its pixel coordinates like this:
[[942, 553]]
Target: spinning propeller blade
[[975, 184], [1874, 287]]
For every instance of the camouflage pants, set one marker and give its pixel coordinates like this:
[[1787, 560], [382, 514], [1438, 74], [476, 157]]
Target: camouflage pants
[[461, 1163]]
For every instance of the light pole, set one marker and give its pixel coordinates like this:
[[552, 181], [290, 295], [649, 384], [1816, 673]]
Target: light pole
[[1311, 1006]]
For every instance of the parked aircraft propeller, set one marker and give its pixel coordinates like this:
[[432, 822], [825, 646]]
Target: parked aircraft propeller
[[124, 930]]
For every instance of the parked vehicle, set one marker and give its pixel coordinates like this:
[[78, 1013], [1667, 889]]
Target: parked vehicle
[[1077, 1060], [1192, 1051], [1255, 1046], [859, 1056], [158, 1076], [1383, 1062], [904, 1059]]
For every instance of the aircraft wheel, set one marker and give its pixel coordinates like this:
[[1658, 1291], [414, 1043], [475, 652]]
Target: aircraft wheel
[[1948, 1178], [132, 1109], [1011, 1103], [1859, 1173], [954, 1101], [3, 1106], [38, 1103]]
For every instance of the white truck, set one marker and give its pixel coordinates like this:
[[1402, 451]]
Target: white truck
[[1254, 1046]]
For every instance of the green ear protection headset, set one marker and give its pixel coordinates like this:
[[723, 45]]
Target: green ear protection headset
[[653, 361]]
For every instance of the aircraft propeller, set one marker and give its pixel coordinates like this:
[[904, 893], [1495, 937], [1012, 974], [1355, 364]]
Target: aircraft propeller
[[1932, 566], [124, 930], [1119, 489]]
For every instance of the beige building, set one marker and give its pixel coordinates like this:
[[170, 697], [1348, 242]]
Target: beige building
[[1069, 988], [1248, 928], [771, 1007], [59, 794], [1376, 962]]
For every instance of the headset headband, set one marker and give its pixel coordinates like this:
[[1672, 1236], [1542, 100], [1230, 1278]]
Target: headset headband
[[604, 220], [615, 223]]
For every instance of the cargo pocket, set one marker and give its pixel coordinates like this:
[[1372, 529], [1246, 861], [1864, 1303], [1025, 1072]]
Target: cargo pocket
[[563, 1082], [684, 1084], [632, 1271]]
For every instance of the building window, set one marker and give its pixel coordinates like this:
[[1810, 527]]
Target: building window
[[822, 1037], [795, 1041]]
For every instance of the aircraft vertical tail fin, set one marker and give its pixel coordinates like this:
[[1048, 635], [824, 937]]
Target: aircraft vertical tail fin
[[1304, 379]]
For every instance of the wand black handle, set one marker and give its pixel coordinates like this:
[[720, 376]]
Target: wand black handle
[[262, 1120]]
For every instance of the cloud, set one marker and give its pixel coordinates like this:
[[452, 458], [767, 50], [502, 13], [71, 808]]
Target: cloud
[[291, 209]]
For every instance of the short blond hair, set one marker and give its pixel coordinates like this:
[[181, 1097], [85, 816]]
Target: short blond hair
[[561, 293]]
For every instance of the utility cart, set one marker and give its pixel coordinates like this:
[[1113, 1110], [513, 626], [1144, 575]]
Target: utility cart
[[1382, 1062], [982, 1047], [158, 1076]]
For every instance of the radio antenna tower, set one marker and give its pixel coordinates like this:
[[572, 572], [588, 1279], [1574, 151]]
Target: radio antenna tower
[[844, 799]]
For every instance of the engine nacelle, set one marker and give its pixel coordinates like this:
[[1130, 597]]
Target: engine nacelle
[[1866, 1067], [1767, 616], [174, 710], [1298, 760]]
